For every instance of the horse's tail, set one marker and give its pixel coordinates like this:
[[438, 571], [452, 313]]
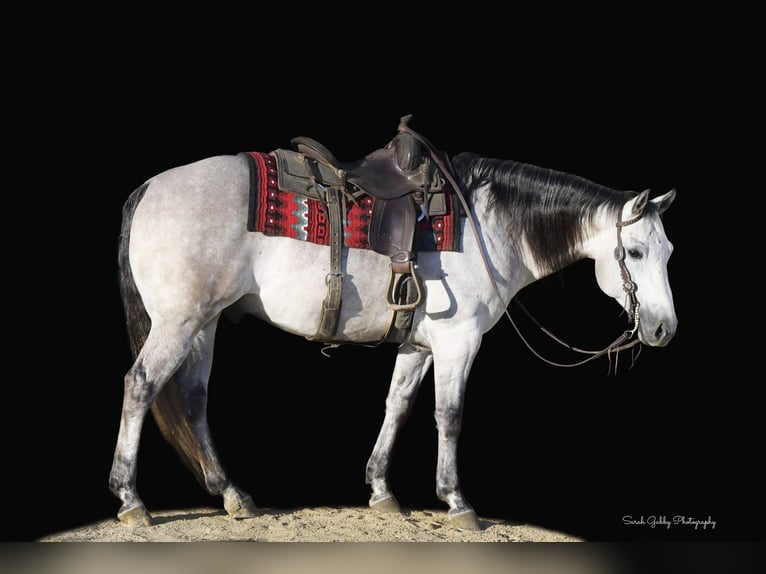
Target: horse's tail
[[137, 319], [167, 408]]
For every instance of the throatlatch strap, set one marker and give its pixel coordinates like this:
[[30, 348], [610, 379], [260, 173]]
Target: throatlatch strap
[[328, 322]]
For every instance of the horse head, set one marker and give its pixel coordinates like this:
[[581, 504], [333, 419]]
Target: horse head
[[632, 264]]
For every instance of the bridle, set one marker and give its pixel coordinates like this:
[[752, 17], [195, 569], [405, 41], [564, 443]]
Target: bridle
[[628, 285]]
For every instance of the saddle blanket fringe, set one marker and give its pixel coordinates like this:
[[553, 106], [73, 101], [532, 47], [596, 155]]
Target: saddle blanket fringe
[[286, 214]]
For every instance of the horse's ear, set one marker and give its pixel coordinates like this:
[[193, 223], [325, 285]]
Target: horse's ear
[[636, 206], [663, 202]]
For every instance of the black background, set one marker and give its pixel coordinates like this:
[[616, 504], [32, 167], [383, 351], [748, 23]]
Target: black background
[[570, 449]]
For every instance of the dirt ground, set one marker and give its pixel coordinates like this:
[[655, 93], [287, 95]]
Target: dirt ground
[[324, 524]]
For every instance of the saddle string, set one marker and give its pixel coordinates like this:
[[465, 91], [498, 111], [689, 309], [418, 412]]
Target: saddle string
[[628, 285]]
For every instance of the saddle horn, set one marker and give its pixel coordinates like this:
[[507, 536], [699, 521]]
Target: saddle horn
[[409, 154]]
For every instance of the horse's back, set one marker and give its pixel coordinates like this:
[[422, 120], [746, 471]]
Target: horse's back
[[216, 185], [196, 197]]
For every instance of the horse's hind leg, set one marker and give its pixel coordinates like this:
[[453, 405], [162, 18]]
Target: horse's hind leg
[[181, 413], [160, 356], [411, 366]]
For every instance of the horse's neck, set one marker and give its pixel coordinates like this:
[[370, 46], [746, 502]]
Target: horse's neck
[[600, 236], [512, 252], [508, 256]]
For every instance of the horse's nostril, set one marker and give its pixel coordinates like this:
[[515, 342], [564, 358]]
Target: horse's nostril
[[658, 334]]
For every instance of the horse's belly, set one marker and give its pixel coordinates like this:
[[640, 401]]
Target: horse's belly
[[290, 278]]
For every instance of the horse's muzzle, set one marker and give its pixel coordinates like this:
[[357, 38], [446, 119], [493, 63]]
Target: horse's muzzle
[[659, 335]]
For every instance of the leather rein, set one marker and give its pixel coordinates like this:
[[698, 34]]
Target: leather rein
[[628, 285], [619, 344]]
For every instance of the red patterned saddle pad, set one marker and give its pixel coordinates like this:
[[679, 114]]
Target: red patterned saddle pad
[[286, 214]]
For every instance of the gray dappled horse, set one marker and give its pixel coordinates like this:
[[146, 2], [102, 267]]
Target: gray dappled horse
[[186, 258]]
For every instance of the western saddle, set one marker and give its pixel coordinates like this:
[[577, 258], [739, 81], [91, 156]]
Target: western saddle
[[406, 186]]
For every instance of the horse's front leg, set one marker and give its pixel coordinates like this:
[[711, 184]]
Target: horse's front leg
[[411, 366], [451, 369]]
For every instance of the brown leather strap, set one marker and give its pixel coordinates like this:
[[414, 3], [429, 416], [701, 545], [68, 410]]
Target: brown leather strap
[[328, 322]]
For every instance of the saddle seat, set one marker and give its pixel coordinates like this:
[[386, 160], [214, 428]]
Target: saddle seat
[[386, 173]]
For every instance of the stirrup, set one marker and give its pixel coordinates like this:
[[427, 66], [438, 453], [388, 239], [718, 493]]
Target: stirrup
[[393, 284]]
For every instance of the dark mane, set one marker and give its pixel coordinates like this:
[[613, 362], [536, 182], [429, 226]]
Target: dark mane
[[547, 206]]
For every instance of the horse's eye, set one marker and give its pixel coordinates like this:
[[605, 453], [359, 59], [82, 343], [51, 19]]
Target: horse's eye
[[635, 253]]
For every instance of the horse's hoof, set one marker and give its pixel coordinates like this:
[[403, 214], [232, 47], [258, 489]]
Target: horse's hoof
[[388, 505], [465, 520], [242, 507], [136, 516]]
